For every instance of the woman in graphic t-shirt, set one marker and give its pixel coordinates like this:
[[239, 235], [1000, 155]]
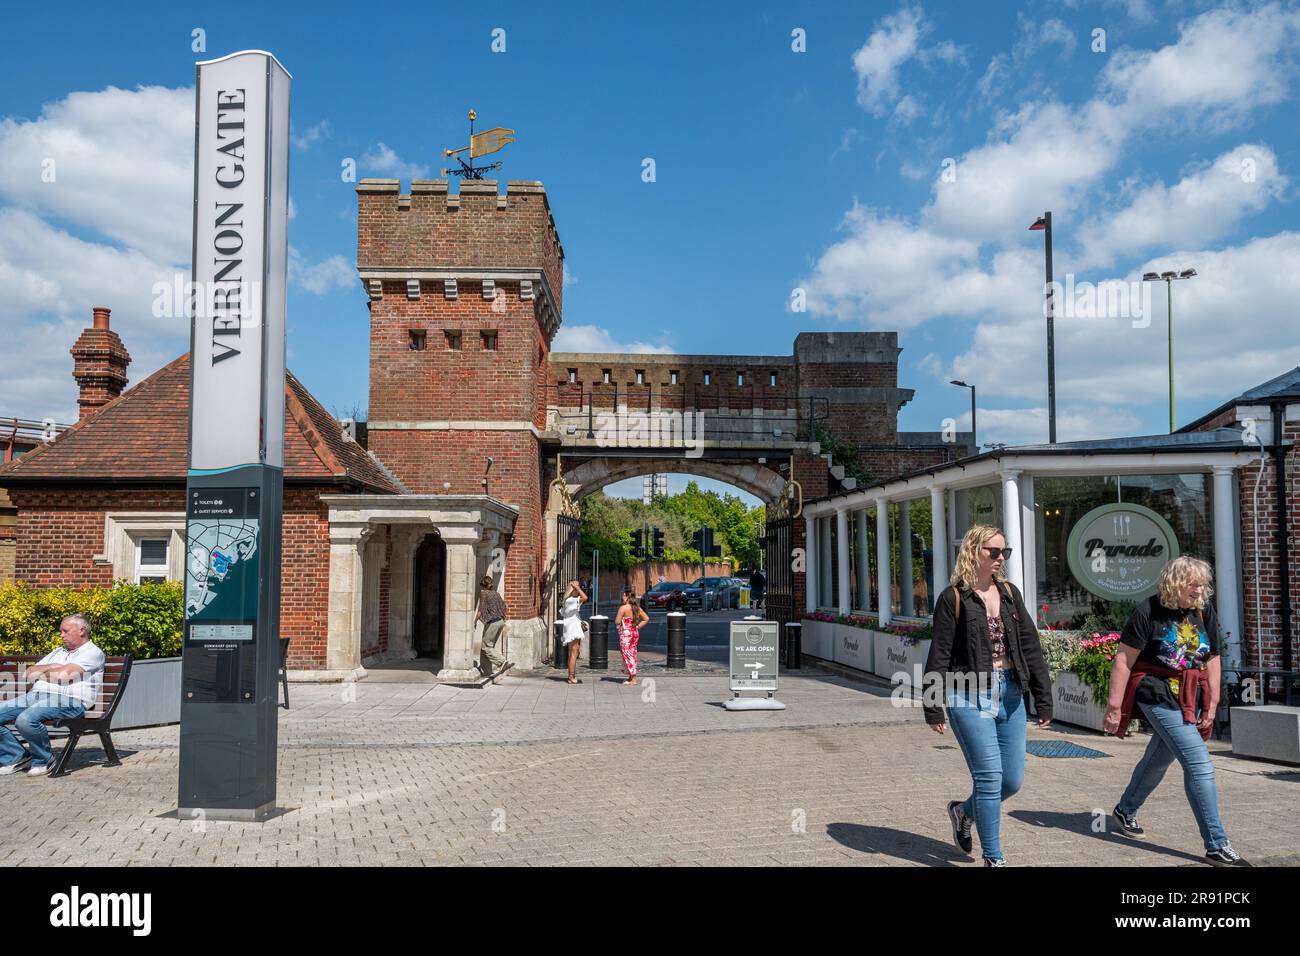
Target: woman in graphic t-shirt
[[1167, 668]]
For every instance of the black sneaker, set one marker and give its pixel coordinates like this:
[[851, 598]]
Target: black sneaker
[[1128, 824], [989, 861], [960, 826], [1225, 856]]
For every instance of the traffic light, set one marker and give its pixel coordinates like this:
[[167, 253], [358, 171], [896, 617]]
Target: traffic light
[[702, 541], [657, 545], [697, 541], [638, 543]]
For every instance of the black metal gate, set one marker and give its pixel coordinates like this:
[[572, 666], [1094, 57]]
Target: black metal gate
[[568, 540], [778, 545]]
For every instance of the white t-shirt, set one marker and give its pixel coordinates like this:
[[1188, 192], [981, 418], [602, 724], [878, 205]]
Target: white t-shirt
[[85, 688]]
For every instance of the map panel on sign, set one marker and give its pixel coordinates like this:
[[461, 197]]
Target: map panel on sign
[[221, 564]]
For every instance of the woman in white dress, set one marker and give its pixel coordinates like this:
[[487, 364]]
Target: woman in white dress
[[572, 632]]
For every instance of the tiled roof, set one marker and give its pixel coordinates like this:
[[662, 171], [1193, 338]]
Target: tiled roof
[[143, 435]]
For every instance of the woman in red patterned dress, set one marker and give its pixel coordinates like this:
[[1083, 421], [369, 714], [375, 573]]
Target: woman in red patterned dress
[[629, 619]]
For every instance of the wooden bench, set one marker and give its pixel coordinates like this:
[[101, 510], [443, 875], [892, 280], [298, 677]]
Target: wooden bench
[[98, 720]]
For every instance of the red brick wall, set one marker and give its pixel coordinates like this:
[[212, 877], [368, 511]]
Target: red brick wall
[[1267, 582], [848, 375], [61, 530], [441, 384], [477, 234]]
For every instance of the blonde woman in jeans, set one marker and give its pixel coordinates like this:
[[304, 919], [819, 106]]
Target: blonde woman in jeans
[[1172, 636], [986, 648]]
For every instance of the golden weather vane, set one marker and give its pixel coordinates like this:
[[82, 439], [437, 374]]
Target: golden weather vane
[[480, 144]]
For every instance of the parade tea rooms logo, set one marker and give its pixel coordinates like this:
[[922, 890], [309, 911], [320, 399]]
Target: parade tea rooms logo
[[103, 909]]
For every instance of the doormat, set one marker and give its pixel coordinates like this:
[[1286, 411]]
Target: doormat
[[1060, 748]]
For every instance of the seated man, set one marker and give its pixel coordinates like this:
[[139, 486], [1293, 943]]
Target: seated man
[[64, 684]]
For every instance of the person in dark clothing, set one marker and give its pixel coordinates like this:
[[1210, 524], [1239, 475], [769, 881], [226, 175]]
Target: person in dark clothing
[[1171, 639], [492, 615], [757, 588], [985, 649]]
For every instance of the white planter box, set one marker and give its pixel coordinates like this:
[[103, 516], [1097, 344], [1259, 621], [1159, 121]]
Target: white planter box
[[152, 696], [1072, 702], [854, 647], [893, 654], [818, 639]]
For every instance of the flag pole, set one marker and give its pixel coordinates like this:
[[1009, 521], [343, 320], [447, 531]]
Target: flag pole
[[1051, 335]]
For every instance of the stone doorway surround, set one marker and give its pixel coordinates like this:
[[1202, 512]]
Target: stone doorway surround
[[361, 528]]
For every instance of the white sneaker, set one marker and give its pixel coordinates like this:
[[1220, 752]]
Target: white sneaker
[[6, 769], [38, 770]]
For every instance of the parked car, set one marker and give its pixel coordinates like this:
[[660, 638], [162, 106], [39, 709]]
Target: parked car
[[728, 592], [700, 595], [666, 595]]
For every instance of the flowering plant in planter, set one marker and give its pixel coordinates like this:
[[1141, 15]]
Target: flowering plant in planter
[[1093, 663], [912, 634], [827, 617]]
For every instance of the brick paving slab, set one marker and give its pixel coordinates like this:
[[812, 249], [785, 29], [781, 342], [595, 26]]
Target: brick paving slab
[[535, 771]]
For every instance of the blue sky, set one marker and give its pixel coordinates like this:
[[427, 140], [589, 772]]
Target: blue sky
[[775, 170]]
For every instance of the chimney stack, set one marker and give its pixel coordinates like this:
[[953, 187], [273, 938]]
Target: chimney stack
[[99, 364]]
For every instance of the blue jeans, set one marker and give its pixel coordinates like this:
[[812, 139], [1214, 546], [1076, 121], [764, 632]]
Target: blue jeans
[[1170, 738], [990, 726], [28, 713]]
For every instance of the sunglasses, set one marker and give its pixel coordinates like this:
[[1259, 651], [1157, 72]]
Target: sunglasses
[[993, 553]]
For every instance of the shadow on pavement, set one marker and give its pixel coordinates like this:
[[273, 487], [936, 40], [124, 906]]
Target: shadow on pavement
[[896, 843], [1081, 824]]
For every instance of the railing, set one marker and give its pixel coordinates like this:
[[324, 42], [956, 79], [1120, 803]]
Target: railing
[[715, 413]]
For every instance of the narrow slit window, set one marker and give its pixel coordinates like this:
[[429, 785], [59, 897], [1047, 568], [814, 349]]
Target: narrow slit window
[[604, 376], [573, 375], [489, 340], [418, 339], [672, 378], [772, 380], [640, 376], [708, 378], [740, 378], [453, 340]]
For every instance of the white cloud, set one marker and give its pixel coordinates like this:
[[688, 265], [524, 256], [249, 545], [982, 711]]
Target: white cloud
[[568, 278], [1204, 205], [122, 163], [848, 139], [1029, 426], [593, 338], [1234, 327], [381, 159], [312, 135], [321, 277], [900, 272], [877, 61]]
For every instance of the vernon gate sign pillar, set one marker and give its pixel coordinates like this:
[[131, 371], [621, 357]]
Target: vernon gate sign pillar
[[235, 485]]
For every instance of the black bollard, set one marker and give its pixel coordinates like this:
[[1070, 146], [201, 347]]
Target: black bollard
[[598, 647], [794, 645], [676, 640], [561, 651]]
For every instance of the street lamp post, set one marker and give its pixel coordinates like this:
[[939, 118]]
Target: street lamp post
[[1044, 224], [1168, 279], [974, 438]]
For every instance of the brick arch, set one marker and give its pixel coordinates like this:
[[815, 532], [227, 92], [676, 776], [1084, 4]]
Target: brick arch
[[762, 482]]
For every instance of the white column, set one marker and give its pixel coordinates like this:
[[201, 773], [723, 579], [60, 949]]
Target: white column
[[883, 573], [824, 572], [810, 528], [939, 542], [1011, 525], [459, 648], [343, 617], [906, 606], [864, 563], [1227, 579], [952, 529], [1029, 544], [842, 549]]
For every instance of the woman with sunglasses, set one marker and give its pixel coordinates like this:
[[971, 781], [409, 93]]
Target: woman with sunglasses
[[986, 650]]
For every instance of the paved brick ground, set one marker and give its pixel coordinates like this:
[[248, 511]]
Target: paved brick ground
[[534, 771]]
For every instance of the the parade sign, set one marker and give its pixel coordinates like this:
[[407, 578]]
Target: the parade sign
[[1118, 550]]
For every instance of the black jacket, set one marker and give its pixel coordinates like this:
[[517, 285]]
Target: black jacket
[[964, 646]]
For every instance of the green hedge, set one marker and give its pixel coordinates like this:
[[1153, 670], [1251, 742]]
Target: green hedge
[[139, 619]]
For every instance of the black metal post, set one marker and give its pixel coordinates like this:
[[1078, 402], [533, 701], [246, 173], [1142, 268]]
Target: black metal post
[[974, 435], [676, 640], [561, 652], [598, 649], [1051, 336], [794, 645]]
